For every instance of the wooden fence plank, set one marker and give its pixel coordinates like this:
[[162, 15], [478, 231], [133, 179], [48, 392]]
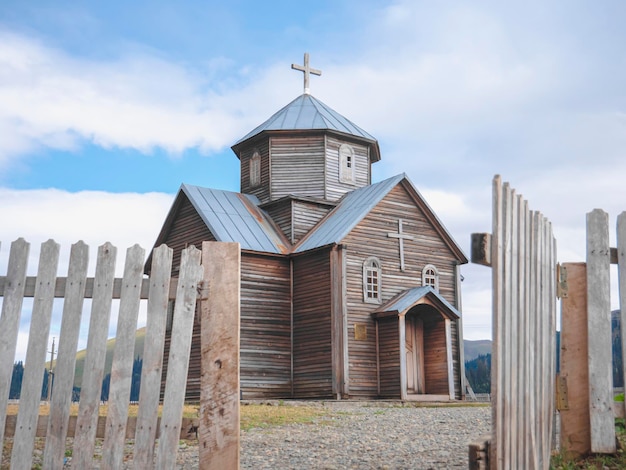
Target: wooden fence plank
[[61, 286], [523, 259], [34, 365], [82, 456], [178, 362], [188, 430], [10, 320], [497, 366], [147, 414], [621, 269], [575, 436], [66, 359], [122, 366], [599, 324], [219, 400]]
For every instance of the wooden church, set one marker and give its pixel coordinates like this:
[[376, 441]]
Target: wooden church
[[348, 289]]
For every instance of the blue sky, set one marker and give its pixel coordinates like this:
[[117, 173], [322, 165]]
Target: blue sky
[[106, 108]]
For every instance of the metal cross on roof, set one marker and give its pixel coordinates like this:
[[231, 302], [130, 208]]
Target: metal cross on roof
[[307, 70]]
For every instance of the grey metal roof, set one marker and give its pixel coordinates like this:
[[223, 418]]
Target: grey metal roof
[[354, 206], [351, 210], [235, 217], [305, 113], [405, 300]]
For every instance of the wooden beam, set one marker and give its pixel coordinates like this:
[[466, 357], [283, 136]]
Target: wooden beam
[[599, 325], [61, 283], [188, 427], [481, 249], [575, 435], [220, 338]]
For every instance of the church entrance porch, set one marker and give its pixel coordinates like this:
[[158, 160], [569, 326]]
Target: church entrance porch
[[415, 347], [426, 352]]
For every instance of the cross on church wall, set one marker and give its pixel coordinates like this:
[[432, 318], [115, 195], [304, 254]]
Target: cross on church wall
[[401, 236], [307, 71]]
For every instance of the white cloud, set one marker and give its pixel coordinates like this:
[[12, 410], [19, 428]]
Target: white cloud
[[91, 216], [51, 99]]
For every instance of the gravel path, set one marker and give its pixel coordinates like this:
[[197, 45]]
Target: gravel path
[[365, 435], [353, 435]]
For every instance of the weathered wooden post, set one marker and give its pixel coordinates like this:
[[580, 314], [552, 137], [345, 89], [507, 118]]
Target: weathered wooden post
[[218, 434], [574, 375], [599, 324]]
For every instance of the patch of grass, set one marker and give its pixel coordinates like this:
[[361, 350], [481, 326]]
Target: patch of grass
[[598, 461], [264, 416]]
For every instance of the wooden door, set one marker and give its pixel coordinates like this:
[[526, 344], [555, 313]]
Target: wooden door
[[414, 355]]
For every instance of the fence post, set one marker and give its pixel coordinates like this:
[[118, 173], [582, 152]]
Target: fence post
[[219, 396], [621, 269], [599, 324], [574, 374]]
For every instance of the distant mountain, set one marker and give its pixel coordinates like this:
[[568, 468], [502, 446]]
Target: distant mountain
[[475, 348], [80, 356]]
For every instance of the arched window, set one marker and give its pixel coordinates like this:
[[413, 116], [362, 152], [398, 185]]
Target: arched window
[[430, 276], [346, 164], [372, 279], [255, 169]]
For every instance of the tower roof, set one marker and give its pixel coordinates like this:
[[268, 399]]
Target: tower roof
[[308, 113]]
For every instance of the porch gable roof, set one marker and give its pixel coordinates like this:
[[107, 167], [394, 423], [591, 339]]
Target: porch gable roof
[[405, 300]]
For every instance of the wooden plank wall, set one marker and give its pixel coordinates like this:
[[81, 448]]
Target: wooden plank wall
[[524, 323], [306, 215], [27, 423], [281, 213], [369, 238], [389, 358], [265, 327], [297, 166], [312, 347], [335, 189], [262, 191], [265, 332]]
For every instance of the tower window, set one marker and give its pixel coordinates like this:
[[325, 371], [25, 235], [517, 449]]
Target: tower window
[[346, 164], [372, 277], [255, 169], [430, 276]]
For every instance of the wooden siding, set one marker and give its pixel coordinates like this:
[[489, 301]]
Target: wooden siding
[[369, 238], [280, 213], [335, 189], [297, 166], [262, 191], [296, 217], [306, 215], [312, 348], [265, 332], [265, 327], [265, 322], [389, 357], [187, 229]]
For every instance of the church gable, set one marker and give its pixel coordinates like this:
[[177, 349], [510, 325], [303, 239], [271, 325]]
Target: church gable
[[400, 234], [182, 228]]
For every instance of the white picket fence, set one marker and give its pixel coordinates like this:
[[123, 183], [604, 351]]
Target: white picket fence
[[194, 279]]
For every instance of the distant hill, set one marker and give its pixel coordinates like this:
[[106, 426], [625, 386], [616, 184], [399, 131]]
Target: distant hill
[[80, 356], [475, 348]]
